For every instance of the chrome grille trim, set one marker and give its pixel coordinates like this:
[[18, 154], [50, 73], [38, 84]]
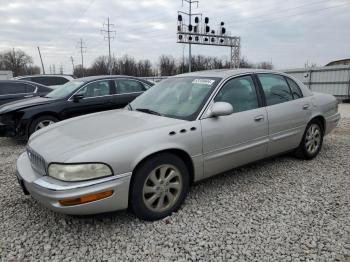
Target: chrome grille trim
[[37, 162]]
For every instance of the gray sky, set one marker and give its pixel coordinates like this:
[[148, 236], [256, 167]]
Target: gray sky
[[286, 32]]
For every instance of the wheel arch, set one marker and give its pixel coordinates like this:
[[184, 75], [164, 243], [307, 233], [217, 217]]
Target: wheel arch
[[36, 116], [320, 119], [182, 154]]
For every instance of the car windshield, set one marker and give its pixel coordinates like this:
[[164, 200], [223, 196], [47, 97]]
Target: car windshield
[[179, 97], [65, 90]]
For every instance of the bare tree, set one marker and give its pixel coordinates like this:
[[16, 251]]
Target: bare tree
[[167, 65], [79, 71], [99, 66], [18, 62]]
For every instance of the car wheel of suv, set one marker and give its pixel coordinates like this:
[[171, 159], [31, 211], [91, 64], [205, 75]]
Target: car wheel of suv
[[311, 143], [41, 122], [159, 187]]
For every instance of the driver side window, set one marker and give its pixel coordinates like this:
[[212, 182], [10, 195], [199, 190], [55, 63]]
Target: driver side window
[[95, 89], [240, 93]]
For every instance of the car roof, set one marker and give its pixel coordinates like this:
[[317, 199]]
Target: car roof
[[225, 73], [21, 81], [50, 75], [92, 78]]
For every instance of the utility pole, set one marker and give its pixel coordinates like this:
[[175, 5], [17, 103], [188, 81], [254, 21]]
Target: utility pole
[[108, 31], [82, 47], [41, 59], [72, 60], [189, 14]]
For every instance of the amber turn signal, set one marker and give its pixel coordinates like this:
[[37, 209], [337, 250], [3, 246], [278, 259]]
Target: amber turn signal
[[85, 199]]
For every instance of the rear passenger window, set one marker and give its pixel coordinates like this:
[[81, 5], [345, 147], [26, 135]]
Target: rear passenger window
[[275, 88], [13, 88], [96, 89], [295, 89], [124, 86], [240, 93]]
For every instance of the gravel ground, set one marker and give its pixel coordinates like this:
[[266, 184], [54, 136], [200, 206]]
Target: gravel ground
[[280, 209]]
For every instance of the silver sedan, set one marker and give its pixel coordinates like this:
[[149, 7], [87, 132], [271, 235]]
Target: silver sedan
[[182, 130]]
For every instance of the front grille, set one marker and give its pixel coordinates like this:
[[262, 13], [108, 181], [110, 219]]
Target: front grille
[[38, 163]]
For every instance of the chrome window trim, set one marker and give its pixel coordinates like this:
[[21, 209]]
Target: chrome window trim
[[108, 79]]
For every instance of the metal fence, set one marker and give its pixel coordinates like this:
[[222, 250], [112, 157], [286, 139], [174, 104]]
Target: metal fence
[[333, 80]]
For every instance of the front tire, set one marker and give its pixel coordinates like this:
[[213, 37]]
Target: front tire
[[41, 122], [312, 141], [159, 187]]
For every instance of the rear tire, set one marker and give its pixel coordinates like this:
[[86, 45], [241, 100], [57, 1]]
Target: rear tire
[[311, 142], [41, 122], [159, 187]]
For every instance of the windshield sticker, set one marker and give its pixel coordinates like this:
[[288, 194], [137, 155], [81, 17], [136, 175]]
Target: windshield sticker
[[203, 81]]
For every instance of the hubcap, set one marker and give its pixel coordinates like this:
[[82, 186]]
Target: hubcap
[[162, 188], [43, 124], [313, 139]]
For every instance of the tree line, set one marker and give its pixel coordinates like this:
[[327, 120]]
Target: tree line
[[20, 63], [167, 65]]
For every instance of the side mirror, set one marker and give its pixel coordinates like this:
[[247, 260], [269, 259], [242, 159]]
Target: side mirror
[[77, 97], [221, 109]]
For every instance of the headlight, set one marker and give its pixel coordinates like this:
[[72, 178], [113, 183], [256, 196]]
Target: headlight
[[79, 172]]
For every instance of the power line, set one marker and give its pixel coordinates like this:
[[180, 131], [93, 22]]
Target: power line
[[41, 59], [108, 31], [82, 47], [72, 24], [279, 11], [283, 16], [72, 60]]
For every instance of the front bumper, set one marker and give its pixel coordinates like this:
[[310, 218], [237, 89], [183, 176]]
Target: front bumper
[[7, 130], [48, 191]]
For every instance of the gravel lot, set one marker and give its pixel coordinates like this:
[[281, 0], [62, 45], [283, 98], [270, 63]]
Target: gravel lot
[[280, 209]]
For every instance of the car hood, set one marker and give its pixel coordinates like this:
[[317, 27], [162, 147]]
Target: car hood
[[24, 103], [66, 139]]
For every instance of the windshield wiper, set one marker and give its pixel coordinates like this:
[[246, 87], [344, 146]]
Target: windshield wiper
[[148, 111]]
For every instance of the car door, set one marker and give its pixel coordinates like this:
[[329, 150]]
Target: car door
[[287, 114], [236, 139], [11, 91], [97, 97], [126, 90]]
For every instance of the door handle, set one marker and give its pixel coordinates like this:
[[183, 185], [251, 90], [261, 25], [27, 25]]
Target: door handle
[[306, 106], [28, 96], [259, 118]]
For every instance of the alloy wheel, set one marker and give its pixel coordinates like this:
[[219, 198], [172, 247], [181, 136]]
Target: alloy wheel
[[313, 138], [162, 188], [43, 124]]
